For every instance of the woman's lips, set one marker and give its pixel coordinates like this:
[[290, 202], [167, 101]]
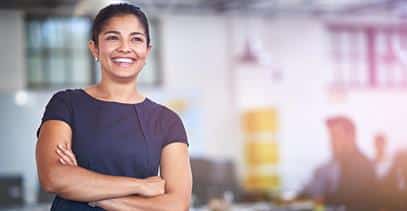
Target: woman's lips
[[123, 61]]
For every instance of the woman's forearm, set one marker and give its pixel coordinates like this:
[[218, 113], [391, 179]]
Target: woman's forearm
[[73, 182], [79, 184], [166, 202]]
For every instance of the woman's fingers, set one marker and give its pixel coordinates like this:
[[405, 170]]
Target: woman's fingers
[[70, 154], [153, 186], [63, 159], [67, 156], [92, 204]]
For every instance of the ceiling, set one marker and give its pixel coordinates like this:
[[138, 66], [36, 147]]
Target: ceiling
[[258, 7]]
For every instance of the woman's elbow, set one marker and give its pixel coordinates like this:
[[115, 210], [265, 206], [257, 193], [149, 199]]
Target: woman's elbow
[[184, 206], [179, 205], [51, 182]]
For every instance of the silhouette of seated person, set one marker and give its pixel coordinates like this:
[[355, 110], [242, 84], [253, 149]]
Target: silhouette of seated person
[[348, 178]]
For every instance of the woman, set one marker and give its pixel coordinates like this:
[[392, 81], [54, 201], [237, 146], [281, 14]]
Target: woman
[[101, 147]]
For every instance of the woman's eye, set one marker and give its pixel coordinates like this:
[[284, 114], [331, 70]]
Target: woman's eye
[[137, 39], [111, 38]]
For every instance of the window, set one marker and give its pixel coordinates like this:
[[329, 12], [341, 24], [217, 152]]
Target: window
[[58, 56], [369, 55], [151, 73], [57, 53]]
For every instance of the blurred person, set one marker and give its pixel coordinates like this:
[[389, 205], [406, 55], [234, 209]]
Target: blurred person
[[347, 179], [100, 148], [393, 191], [381, 161]]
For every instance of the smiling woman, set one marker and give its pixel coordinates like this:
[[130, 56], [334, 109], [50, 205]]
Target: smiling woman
[[123, 47], [101, 147]]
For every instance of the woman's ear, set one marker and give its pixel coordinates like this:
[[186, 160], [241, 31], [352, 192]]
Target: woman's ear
[[149, 47], [93, 49]]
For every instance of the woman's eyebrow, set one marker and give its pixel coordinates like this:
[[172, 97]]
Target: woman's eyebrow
[[137, 33], [111, 32], [118, 33]]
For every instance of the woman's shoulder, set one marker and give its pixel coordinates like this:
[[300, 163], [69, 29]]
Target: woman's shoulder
[[160, 111], [65, 96], [67, 93], [163, 111]]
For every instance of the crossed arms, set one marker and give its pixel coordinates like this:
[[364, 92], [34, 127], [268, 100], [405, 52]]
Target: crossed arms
[[59, 173]]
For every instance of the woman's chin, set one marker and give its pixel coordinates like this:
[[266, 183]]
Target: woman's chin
[[122, 74], [125, 77]]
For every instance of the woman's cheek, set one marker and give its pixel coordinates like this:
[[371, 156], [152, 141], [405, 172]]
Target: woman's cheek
[[142, 52]]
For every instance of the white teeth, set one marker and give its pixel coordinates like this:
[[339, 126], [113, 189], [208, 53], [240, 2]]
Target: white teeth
[[124, 60]]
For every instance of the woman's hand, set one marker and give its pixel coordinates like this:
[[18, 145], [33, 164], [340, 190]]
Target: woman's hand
[[151, 186], [66, 156]]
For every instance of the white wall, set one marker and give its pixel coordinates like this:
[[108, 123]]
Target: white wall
[[297, 48], [12, 66], [196, 60], [18, 127]]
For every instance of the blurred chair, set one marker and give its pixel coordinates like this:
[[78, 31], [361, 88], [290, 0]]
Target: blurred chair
[[200, 170], [213, 179], [11, 190]]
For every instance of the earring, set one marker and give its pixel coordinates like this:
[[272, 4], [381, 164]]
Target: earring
[[96, 59]]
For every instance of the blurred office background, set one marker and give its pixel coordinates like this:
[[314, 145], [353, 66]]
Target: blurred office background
[[253, 80]]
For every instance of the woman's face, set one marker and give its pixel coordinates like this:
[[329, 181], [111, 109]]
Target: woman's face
[[122, 48]]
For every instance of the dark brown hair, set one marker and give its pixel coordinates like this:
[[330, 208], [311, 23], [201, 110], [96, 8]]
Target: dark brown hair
[[114, 10]]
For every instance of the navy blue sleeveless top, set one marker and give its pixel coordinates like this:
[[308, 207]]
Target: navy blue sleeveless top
[[114, 138]]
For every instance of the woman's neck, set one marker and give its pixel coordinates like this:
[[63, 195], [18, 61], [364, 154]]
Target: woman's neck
[[121, 92]]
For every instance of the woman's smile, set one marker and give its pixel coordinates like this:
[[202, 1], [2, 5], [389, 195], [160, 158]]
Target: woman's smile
[[123, 61]]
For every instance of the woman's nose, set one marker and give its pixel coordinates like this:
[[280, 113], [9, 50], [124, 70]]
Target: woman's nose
[[124, 47]]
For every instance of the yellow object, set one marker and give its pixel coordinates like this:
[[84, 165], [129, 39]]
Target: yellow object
[[261, 152], [179, 105], [257, 182], [260, 120], [261, 149], [319, 207]]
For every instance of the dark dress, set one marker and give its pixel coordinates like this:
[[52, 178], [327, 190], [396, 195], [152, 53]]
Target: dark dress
[[114, 138]]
